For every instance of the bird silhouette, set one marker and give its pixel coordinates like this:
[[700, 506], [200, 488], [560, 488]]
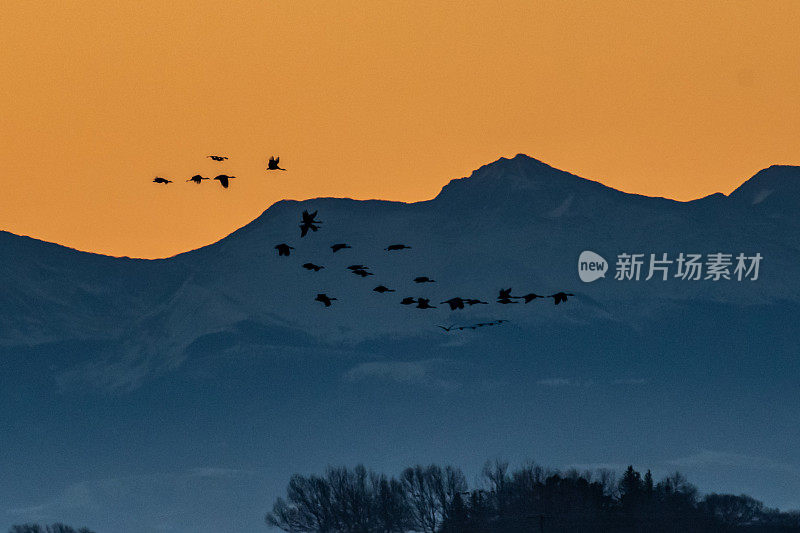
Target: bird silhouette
[[408, 300], [393, 247], [363, 273], [340, 246], [272, 164], [357, 267], [324, 298], [223, 180], [159, 179], [424, 303], [309, 222], [473, 301], [500, 321], [506, 298], [423, 279], [284, 249], [531, 297], [312, 266], [454, 303], [382, 289], [197, 178], [506, 293], [217, 157], [448, 328], [560, 297]]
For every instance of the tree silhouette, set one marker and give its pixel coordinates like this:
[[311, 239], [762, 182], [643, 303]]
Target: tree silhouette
[[436, 499]]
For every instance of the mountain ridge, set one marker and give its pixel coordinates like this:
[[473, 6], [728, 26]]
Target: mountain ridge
[[767, 178]]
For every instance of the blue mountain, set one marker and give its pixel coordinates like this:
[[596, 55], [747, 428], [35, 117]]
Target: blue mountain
[[180, 394]]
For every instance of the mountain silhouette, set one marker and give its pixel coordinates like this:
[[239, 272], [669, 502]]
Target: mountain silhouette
[[227, 349]]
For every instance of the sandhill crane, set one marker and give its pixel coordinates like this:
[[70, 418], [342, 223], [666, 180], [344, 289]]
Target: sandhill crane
[[531, 297], [223, 180], [324, 298], [284, 249], [197, 178], [382, 289], [393, 247], [454, 303], [340, 246], [560, 297], [272, 164], [309, 222], [159, 179]]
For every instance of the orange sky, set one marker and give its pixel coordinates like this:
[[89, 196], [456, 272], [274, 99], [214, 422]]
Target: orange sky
[[372, 100]]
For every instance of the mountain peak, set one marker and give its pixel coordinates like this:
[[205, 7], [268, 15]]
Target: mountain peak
[[518, 175], [775, 187]]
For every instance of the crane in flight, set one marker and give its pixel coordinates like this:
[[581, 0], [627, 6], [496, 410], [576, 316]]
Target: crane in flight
[[272, 164]]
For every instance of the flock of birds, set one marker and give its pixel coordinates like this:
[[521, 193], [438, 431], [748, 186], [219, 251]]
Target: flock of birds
[[223, 179], [309, 222]]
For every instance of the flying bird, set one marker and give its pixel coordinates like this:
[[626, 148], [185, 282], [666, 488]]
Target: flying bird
[[454, 303], [340, 246], [223, 180], [309, 222], [423, 279], [448, 328], [197, 178], [560, 297], [357, 267], [159, 179], [506, 298], [393, 247], [531, 297], [284, 249], [381, 289], [324, 298], [363, 273], [506, 293], [217, 157], [473, 301], [424, 303], [312, 266], [408, 300], [273, 163]]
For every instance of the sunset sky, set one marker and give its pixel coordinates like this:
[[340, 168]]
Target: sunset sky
[[372, 100]]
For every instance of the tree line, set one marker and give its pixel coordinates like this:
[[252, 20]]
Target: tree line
[[53, 528], [434, 499]]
